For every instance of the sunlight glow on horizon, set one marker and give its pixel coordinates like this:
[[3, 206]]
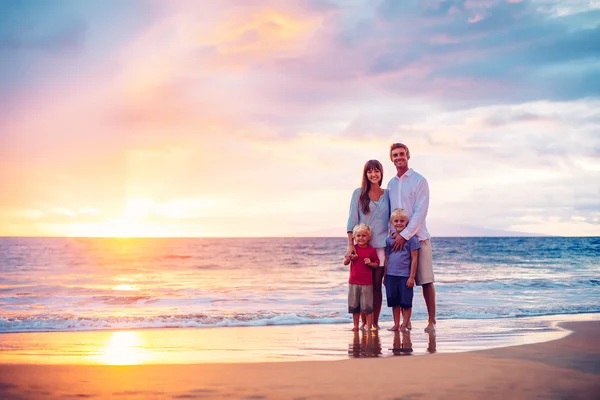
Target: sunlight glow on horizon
[[120, 228]]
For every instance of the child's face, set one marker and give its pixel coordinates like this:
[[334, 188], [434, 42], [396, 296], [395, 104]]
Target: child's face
[[399, 222], [361, 238]]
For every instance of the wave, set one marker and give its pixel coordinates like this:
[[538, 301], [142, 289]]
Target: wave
[[68, 323], [73, 323], [474, 284]]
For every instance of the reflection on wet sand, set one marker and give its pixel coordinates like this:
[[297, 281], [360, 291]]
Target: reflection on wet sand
[[368, 344], [432, 345], [365, 344], [124, 348], [402, 344]]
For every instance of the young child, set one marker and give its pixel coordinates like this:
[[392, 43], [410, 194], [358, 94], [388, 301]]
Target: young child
[[360, 283], [400, 268]]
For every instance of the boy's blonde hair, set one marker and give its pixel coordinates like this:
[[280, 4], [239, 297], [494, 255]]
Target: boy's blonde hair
[[360, 228], [398, 212]]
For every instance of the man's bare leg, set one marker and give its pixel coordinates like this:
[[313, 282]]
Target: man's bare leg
[[429, 296]]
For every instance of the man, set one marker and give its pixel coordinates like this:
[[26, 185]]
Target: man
[[410, 191]]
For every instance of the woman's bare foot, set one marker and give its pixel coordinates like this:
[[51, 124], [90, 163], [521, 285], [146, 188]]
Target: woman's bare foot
[[393, 328], [355, 329], [404, 328], [409, 326]]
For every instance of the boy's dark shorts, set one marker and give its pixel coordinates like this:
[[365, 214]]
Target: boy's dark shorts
[[397, 293]]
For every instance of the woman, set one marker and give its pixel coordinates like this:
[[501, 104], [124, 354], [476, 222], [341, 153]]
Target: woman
[[371, 205]]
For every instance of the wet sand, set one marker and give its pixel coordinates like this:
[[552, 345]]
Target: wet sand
[[565, 368]]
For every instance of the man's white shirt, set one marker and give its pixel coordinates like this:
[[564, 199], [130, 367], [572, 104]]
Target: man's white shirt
[[411, 192]]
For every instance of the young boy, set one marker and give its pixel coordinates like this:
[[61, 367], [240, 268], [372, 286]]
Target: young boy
[[399, 272], [360, 288]]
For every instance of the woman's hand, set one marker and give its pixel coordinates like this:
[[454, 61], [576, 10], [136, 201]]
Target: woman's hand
[[351, 252]]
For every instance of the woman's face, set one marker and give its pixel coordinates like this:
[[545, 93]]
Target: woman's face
[[374, 176]]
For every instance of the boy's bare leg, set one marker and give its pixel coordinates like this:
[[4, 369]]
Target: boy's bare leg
[[406, 313], [363, 318], [377, 295], [369, 322], [355, 318], [429, 296], [396, 314]]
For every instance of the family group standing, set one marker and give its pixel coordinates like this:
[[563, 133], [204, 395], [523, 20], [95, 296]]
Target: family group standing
[[388, 244]]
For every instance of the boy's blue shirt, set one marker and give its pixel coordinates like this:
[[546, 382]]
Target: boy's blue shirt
[[399, 261]]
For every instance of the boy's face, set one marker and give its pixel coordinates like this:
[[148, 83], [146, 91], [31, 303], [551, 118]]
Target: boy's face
[[399, 222], [361, 238]]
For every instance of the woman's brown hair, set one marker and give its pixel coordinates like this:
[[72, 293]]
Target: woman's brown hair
[[366, 184]]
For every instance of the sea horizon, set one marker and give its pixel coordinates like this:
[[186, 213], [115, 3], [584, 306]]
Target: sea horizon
[[275, 237]]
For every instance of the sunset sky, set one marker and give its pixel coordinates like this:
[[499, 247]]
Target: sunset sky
[[255, 118]]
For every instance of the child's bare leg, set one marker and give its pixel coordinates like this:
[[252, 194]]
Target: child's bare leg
[[406, 313], [396, 314], [369, 322], [355, 318], [363, 318]]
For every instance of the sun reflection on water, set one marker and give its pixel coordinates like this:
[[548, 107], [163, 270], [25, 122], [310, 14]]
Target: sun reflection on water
[[124, 348]]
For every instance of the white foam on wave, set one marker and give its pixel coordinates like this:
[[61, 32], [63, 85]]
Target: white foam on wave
[[57, 323]]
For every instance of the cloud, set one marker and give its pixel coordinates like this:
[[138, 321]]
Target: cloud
[[190, 113]]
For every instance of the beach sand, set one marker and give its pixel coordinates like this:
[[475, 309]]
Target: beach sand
[[565, 368]]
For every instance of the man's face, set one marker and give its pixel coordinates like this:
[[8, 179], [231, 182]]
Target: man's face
[[399, 222], [400, 158]]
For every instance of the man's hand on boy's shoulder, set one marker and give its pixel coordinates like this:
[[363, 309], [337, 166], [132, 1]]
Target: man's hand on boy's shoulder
[[398, 242]]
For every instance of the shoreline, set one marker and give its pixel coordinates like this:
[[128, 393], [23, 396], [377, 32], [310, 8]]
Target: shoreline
[[565, 368], [279, 343]]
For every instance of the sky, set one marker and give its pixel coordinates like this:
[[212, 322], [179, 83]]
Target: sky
[[255, 118]]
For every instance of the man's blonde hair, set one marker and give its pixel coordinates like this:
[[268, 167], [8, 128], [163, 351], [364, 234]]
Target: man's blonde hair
[[398, 212], [361, 228]]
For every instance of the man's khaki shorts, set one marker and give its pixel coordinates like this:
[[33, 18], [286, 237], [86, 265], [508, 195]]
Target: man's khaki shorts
[[425, 264]]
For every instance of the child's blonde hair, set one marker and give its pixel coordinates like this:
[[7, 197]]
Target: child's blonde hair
[[398, 212], [360, 228]]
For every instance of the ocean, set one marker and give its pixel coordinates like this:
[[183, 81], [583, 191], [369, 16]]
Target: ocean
[[82, 284]]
